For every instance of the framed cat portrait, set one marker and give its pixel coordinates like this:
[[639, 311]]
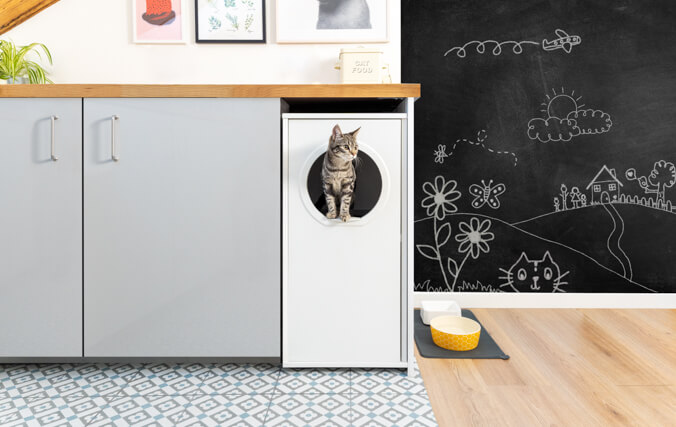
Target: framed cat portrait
[[332, 21]]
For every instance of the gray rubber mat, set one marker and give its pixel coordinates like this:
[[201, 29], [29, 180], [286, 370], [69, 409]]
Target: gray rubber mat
[[487, 348]]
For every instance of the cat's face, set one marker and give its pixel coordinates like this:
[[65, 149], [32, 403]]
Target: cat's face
[[344, 145], [528, 275]]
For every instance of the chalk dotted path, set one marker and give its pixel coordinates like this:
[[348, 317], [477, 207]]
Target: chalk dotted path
[[481, 136]]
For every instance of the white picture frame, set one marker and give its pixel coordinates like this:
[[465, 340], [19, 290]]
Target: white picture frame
[[173, 31], [310, 21]]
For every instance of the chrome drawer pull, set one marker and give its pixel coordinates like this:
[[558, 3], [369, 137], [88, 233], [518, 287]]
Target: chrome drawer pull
[[54, 119], [113, 151]]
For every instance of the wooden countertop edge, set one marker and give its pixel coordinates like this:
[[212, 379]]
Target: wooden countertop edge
[[210, 91]]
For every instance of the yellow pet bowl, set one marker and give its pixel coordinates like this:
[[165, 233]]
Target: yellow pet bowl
[[455, 333]]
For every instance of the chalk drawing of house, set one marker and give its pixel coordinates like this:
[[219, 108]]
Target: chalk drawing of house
[[605, 187]]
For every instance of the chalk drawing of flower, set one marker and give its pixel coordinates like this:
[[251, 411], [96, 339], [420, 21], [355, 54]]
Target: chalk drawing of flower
[[440, 197], [474, 237]]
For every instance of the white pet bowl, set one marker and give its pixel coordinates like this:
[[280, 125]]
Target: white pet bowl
[[431, 309]]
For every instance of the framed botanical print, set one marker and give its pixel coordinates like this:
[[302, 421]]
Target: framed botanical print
[[230, 21], [332, 21], [159, 21]]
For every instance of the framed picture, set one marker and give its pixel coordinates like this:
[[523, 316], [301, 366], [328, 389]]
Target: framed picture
[[331, 21], [159, 21], [230, 21]]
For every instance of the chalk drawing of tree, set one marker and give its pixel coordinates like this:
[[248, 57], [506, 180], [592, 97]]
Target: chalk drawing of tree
[[663, 176]]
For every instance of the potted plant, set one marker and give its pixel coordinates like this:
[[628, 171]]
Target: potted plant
[[15, 67]]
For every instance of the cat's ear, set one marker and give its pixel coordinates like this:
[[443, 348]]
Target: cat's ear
[[522, 258], [337, 133], [355, 132], [548, 257]]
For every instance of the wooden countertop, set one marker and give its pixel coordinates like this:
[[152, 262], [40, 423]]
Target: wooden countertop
[[210, 91]]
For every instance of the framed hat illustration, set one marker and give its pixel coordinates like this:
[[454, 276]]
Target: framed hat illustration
[[159, 21]]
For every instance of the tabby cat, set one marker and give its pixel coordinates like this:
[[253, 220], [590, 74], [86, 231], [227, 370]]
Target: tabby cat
[[338, 174], [343, 15]]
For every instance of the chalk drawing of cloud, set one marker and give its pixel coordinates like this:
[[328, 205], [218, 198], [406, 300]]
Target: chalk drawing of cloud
[[591, 122], [552, 129], [564, 119]]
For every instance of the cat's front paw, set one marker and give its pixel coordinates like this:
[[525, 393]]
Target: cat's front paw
[[331, 215], [345, 217]]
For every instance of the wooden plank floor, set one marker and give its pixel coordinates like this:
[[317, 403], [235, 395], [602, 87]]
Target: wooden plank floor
[[567, 367]]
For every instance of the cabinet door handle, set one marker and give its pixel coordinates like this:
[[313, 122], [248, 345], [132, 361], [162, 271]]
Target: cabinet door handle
[[54, 119], [113, 150]]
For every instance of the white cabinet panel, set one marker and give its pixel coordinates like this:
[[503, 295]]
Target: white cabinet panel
[[182, 234], [342, 281], [40, 228]]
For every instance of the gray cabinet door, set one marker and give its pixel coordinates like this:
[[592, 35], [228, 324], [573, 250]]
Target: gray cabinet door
[[182, 233], [40, 228]]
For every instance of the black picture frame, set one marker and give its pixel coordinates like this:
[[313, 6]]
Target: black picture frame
[[197, 29]]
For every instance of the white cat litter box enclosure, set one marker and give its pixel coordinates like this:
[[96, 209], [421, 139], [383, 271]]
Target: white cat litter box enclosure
[[345, 298]]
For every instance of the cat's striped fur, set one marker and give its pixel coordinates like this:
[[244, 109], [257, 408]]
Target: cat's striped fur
[[338, 174]]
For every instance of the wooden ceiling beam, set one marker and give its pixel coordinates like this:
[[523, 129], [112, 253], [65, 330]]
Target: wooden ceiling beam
[[14, 12]]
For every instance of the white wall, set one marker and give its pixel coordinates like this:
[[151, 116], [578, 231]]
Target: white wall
[[91, 43]]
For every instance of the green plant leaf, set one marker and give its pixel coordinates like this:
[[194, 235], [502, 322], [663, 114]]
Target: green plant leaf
[[14, 62]]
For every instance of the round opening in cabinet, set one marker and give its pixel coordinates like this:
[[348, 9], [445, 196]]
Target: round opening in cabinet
[[370, 191]]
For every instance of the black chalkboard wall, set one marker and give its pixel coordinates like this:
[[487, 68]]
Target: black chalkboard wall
[[545, 144]]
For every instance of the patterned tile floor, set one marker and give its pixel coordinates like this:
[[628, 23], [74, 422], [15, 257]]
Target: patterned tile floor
[[166, 394]]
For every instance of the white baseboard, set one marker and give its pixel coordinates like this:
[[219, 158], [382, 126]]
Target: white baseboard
[[559, 300], [356, 365]]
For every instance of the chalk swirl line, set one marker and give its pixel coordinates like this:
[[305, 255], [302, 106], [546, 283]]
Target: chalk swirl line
[[481, 136], [517, 47]]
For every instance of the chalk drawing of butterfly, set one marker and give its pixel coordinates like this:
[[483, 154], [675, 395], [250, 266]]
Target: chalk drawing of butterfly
[[440, 153], [486, 194]]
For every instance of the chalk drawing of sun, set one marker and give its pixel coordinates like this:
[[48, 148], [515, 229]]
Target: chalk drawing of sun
[[561, 104], [565, 118]]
